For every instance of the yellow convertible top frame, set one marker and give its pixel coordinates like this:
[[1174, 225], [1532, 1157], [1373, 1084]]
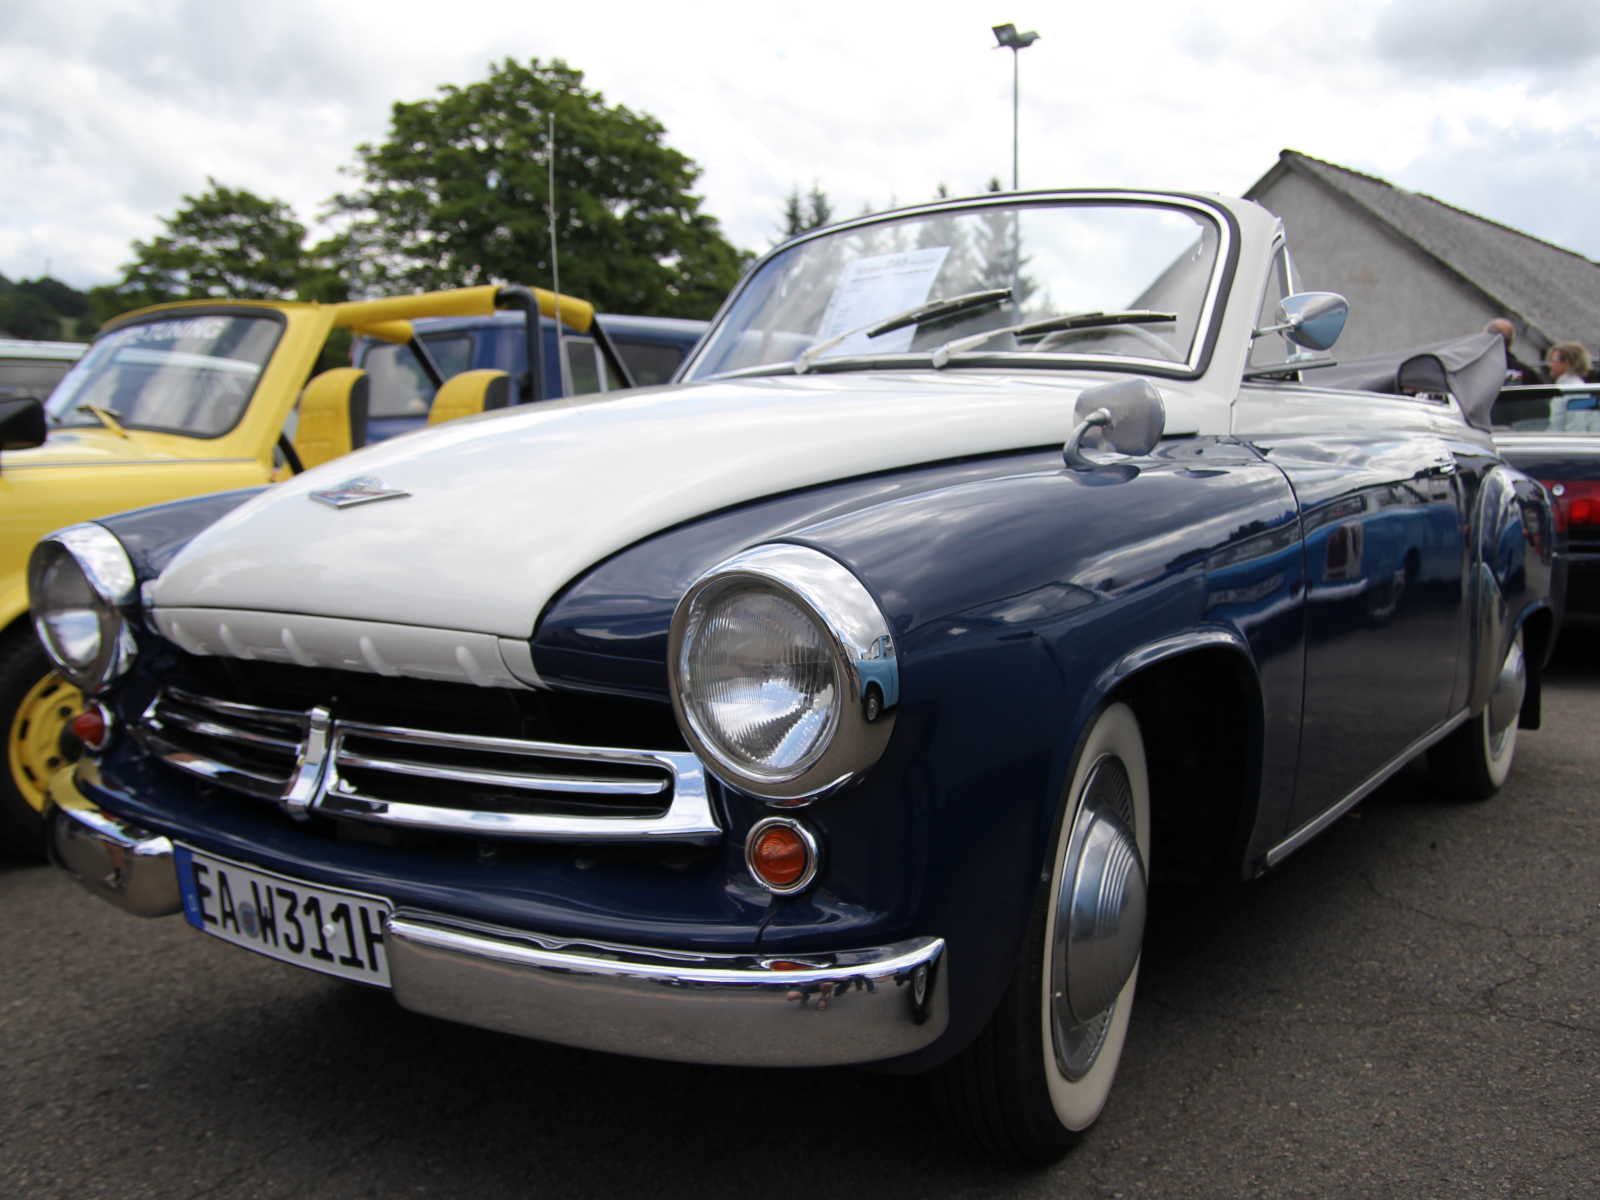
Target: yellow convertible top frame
[[88, 472]]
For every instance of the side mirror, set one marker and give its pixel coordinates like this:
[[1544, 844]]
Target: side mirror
[[1310, 319], [22, 424], [1129, 414]]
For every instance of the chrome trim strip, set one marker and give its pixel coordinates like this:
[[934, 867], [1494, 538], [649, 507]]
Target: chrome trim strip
[[115, 859], [499, 745], [690, 817], [848, 1007], [226, 732], [532, 783], [231, 709], [1369, 785]]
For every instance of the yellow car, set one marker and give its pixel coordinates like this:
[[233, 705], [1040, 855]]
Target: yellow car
[[182, 399]]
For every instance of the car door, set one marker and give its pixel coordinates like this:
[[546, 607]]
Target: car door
[[1385, 558]]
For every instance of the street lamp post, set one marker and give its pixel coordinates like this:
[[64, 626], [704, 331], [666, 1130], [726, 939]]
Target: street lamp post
[[1011, 40]]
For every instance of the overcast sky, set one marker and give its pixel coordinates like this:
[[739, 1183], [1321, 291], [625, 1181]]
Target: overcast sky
[[112, 110]]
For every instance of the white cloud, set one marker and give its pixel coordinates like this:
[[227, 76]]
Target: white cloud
[[110, 111]]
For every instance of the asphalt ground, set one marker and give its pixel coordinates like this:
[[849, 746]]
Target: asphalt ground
[[1407, 1007]]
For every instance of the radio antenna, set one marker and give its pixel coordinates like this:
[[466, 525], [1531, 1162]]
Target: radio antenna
[[555, 269]]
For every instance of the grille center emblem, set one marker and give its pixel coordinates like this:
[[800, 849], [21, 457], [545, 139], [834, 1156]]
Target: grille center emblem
[[363, 489]]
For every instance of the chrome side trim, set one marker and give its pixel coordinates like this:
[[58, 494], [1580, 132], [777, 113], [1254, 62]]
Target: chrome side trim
[[1367, 786], [828, 1009], [115, 859]]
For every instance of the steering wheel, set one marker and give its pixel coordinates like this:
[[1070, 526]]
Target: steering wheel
[[1141, 335]]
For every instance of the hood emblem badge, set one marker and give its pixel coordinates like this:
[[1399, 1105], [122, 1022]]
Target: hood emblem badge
[[363, 489]]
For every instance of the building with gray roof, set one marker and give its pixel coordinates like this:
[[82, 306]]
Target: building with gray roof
[[1416, 270]]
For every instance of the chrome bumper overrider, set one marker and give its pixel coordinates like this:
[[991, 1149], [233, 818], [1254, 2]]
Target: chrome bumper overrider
[[810, 1010], [115, 859]]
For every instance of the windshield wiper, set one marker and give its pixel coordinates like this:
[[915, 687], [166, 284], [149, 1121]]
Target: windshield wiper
[[1078, 320], [931, 311], [103, 417]]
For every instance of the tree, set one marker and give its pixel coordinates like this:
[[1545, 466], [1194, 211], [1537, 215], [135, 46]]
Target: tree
[[23, 315], [225, 244], [804, 213], [457, 196]]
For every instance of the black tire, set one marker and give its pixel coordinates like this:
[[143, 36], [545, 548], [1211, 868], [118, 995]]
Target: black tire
[[1004, 1094], [22, 665], [1471, 764]]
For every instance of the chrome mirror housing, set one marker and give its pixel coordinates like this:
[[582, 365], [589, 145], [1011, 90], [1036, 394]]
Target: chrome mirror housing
[[1310, 319], [1129, 414]]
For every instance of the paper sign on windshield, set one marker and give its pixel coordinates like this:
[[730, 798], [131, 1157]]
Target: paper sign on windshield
[[873, 289]]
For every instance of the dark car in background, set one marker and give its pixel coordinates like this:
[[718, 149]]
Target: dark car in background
[[1553, 434], [652, 348]]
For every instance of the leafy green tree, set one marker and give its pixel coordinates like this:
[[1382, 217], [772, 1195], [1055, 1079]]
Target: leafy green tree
[[23, 315], [457, 196], [225, 244]]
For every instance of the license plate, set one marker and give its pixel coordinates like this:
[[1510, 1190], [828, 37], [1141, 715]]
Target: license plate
[[323, 929]]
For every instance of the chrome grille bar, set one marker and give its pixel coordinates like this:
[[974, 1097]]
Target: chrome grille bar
[[444, 782]]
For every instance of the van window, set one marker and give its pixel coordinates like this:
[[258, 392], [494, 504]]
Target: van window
[[649, 363]]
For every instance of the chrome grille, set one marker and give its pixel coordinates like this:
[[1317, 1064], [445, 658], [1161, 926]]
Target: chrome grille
[[240, 746], [431, 780]]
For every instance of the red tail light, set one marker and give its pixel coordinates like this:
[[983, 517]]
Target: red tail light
[[1576, 502]]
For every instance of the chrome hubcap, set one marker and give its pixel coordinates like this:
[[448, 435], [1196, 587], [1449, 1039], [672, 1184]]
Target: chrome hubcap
[[1099, 918], [1505, 701]]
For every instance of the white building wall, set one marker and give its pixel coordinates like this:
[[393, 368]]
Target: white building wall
[[1399, 297]]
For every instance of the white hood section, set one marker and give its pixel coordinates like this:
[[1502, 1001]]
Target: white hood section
[[505, 509]]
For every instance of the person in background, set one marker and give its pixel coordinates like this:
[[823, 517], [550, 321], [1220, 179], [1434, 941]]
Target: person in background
[[1517, 371], [1568, 364]]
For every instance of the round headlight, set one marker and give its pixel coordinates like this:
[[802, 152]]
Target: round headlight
[[760, 681], [78, 580], [783, 673]]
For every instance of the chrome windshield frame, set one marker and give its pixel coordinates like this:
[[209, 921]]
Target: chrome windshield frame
[[1200, 352]]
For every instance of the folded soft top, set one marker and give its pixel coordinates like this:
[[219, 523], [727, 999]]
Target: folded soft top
[[1471, 368]]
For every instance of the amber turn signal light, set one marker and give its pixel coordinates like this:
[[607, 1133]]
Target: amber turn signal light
[[92, 727], [781, 854]]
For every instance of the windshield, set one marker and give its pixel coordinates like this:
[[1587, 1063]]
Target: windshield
[[192, 375], [1569, 410], [1058, 259]]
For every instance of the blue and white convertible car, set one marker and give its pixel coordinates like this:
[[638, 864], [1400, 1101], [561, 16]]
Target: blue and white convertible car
[[991, 561]]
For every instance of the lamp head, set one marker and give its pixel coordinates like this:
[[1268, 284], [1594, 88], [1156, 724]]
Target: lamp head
[[1010, 39]]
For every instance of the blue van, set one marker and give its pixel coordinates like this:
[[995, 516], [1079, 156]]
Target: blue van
[[403, 386]]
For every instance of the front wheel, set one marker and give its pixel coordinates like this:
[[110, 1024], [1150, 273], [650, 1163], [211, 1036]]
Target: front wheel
[[36, 706], [1475, 760], [1039, 1074]]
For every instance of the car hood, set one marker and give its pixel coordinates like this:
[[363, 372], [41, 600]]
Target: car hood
[[503, 510], [95, 447]]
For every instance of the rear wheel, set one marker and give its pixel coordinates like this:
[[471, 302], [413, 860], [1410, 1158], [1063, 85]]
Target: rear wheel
[[1474, 761], [1039, 1074], [36, 705]]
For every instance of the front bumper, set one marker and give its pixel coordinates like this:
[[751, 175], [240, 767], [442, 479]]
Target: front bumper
[[814, 1010]]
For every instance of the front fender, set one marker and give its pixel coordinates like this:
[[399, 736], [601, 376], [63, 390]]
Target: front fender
[[1513, 570], [1019, 605]]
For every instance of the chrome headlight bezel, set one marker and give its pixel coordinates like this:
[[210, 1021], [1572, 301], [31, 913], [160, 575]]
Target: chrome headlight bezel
[[864, 661], [99, 558]]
